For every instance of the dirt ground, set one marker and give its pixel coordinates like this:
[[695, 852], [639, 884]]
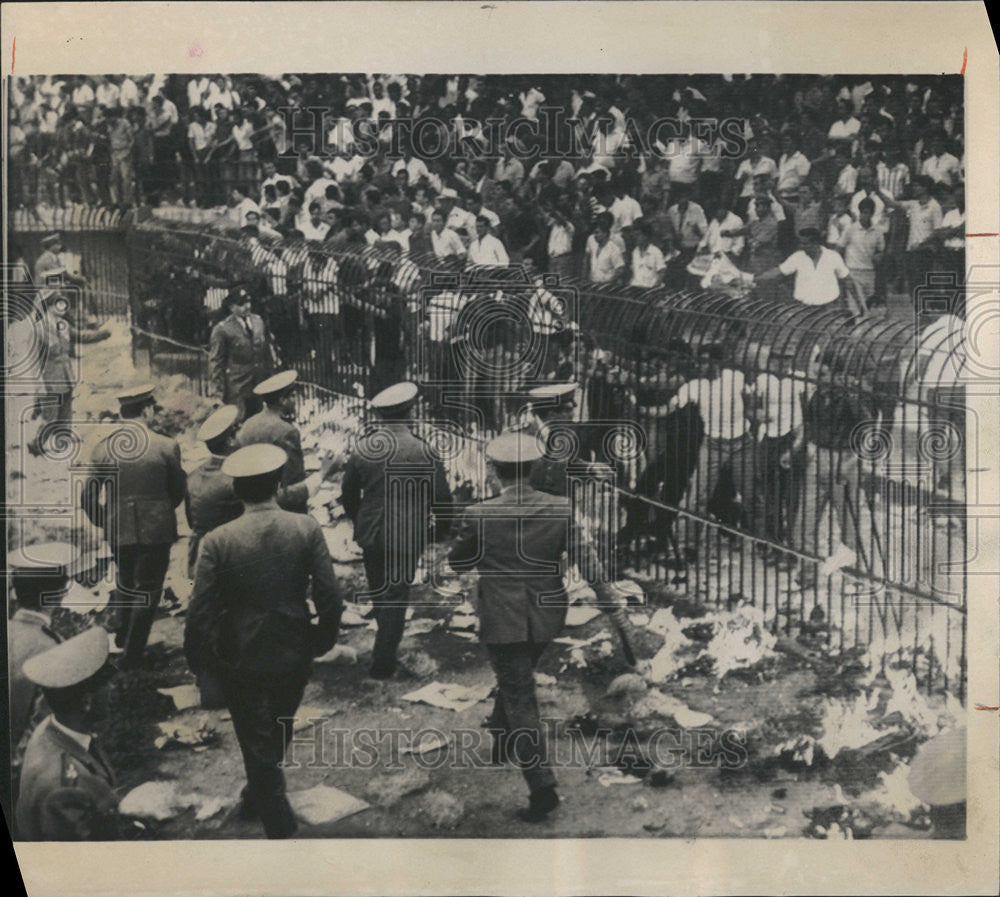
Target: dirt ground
[[770, 793]]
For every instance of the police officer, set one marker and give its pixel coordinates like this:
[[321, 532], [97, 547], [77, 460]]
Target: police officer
[[249, 622], [273, 424], [391, 532], [137, 514], [554, 405], [516, 542], [39, 577], [67, 785], [239, 353], [210, 500]]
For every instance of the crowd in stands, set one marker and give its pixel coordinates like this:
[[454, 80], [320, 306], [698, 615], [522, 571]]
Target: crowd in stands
[[641, 181]]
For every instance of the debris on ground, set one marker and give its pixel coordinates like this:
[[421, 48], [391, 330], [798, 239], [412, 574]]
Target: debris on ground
[[449, 695], [323, 804], [544, 680], [339, 654], [418, 664], [655, 703], [388, 789], [199, 734], [639, 804], [425, 743], [353, 617], [614, 776], [444, 810], [578, 616], [159, 801], [421, 626], [340, 541], [184, 696], [741, 639], [308, 715], [628, 684]]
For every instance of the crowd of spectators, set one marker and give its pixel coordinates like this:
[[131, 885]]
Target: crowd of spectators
[[570, 173]]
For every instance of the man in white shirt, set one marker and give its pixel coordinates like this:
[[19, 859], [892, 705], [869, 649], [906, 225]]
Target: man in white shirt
[[128, 92], [456, 218], [604, 262], [648, 264], [445, 241], [107, 93], [486, 249], [688, 224], [755, 164], [312, 226], [415, 168], [821, 277], [863, 244], [846, 127], [941, 166], [793, 167], [722, 233], [625, 210], [718, 393]]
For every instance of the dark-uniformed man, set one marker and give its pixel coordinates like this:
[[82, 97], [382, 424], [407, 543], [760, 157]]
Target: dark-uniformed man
[[210, 500], [273, 425], [249, 622], [392, 524], [137, 514], [239, 354], [67, 786], [516, 542], [553, 405]]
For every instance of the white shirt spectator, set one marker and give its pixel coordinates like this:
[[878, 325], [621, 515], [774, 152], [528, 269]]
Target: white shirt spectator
[[341, 135], [860, 245], [447, 243], [317, 190], [310, 231], [847, 181], [690, 226], [942, 169], [647, 266], [816, 283], [241, 134], [924, 220], [776, 209], [128, 93], [242, 209], [953, 218], [844, 130], [893, 180], [170, 109], [605, 260], [792, 171], [720, 403], [345, 169], [714, 241], [560, 239], [749, 170], [488, 251], [489, 215], [196, 88], [200, 134], [227, 98], [107, 94], [782, 404], [83, 94], [460, 220], [625, 211], [319, 287], [684, 159], [878, 216], [415, 168]]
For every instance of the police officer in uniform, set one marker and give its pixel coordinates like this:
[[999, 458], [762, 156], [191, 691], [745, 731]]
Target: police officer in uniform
[[239, 353], [516, 542], [140, 521], [67, 785], [273, 425], [553, 405], [249, 622], [392, 533], [210, 500]]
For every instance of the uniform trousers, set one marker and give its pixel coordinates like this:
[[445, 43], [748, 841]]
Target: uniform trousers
[[257, 707], [141, 571], [515, 721], [390, 599]]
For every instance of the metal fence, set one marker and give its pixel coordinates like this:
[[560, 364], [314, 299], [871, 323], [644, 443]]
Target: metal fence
[[759, 450]]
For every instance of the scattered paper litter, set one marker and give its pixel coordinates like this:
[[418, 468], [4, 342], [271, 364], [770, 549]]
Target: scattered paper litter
[[656, 703], [353, 618], [159, 801], [617, 777], [577, 616], [468, 636], [342, 654], [544, 679], [580, 642], [183, 696], [462, 622], [449, 695], [626, 588], [194, 734], [324, 804], [421, 625], [425, 745]]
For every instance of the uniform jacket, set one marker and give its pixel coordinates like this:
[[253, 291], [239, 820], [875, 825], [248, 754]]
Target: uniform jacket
[[248, 614], [210, 501], [516, 542], [363, 491], [149, 488], [67, 793], [28, 634], [269, 426], [238, 362], [58, 371]]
